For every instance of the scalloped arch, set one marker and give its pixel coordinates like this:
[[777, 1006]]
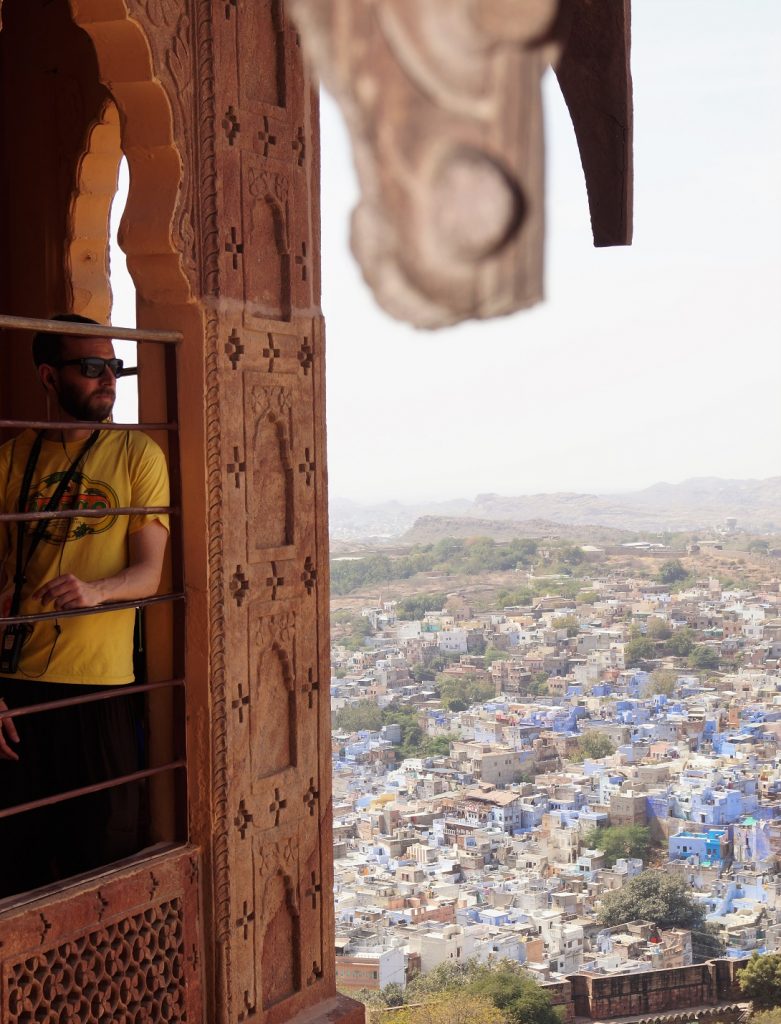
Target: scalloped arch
[[87, 250], [147, 140]]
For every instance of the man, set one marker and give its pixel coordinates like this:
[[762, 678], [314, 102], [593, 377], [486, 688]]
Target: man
[[62, 565]]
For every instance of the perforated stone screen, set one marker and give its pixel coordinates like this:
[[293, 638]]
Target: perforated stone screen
[[139, 965]]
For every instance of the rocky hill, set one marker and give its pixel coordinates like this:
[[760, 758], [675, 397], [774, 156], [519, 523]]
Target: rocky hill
[[698, 504], [429, 529]]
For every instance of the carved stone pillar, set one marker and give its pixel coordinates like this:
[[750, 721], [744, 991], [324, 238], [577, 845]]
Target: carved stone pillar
[[220, 125], [247, 227]]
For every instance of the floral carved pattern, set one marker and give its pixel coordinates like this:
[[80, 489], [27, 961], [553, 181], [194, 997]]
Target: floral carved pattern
[[130, 968]]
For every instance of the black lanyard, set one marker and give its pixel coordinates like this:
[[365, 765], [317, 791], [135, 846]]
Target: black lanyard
[[52, 504]]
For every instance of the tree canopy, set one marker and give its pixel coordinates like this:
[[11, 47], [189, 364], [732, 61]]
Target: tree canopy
[[620, 841], [414, 742], [568, 622], [658, 629], [467, 1009], [450, 555], [638, 650], [703, 657], [416, 606], [672, 571], [459, 692], [653, 896], [594, 745], [760, 980], [504, 986], [681, 642], [663, 681]]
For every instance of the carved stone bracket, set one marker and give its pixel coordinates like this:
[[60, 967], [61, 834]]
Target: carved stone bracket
[[443, 104]]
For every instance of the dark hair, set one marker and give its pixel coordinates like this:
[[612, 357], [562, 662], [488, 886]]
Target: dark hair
[[47, 347]]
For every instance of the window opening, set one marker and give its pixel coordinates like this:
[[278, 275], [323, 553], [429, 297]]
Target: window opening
[[174, 763], [123, 301]]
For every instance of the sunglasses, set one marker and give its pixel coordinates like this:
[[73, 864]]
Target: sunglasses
[[94, 366]]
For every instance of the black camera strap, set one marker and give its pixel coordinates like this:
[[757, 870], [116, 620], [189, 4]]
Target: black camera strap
[[52, 504]]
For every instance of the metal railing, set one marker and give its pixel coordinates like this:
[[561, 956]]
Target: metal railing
[[142, 335]]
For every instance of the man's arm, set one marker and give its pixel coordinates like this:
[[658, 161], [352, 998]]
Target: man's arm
[[140, 579]]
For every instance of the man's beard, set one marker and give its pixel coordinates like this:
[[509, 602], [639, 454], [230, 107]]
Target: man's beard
[[92, 408]]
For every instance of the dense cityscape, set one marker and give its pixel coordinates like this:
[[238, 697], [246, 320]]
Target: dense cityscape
[[556, 754]]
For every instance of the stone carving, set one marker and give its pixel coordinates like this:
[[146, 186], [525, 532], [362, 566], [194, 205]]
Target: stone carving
[[270, 494], [217, 668], [172, 43], [126, 950], [281, 958], [443, 104], [275, 695], [206, 126], [134, 966]]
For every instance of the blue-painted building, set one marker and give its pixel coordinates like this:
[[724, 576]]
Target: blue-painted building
[[711, 847]]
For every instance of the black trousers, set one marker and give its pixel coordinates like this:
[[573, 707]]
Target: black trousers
[[58, 751]]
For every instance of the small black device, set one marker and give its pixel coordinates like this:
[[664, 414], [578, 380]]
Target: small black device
[[14, 639]]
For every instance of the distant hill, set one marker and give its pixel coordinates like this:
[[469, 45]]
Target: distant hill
[[429, 529], [697, 504]]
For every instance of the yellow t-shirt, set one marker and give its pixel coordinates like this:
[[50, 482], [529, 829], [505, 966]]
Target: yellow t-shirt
[[123, 469]]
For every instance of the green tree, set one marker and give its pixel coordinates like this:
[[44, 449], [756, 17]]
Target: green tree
[[413, 608], [704, 657], [571, 554], [707, 944], [758, 546], [465, 689], [532, 1007], [594, 745], [680, 643], [620, 841], [653, 896], [515, 993], [672, 571], [638, 650], [392, 994], [658, 629], [370, 998], [663, 680], [760, 980], [447, 549], [766, 1016], [363, 715], [443, 1009], [445, 977], [493, 654], [568, 622], [520, 596], [437, 746]]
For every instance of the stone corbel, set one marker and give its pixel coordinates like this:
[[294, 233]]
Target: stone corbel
[[442, 100]]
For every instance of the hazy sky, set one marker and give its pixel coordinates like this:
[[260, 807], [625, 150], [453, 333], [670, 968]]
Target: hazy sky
[[656, 362], [660, 361]]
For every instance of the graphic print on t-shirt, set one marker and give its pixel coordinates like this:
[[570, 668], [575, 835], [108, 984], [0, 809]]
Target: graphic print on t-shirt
[[82, 493]]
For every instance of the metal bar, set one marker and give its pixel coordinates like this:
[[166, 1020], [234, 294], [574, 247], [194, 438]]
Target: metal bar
[[29, 323], [103, 693], [85, 425], [96, 787], [99, 609], [87, 513]]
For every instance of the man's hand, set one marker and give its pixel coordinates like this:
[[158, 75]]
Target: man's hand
[[68, 591], [7, 733], [140, 579]]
